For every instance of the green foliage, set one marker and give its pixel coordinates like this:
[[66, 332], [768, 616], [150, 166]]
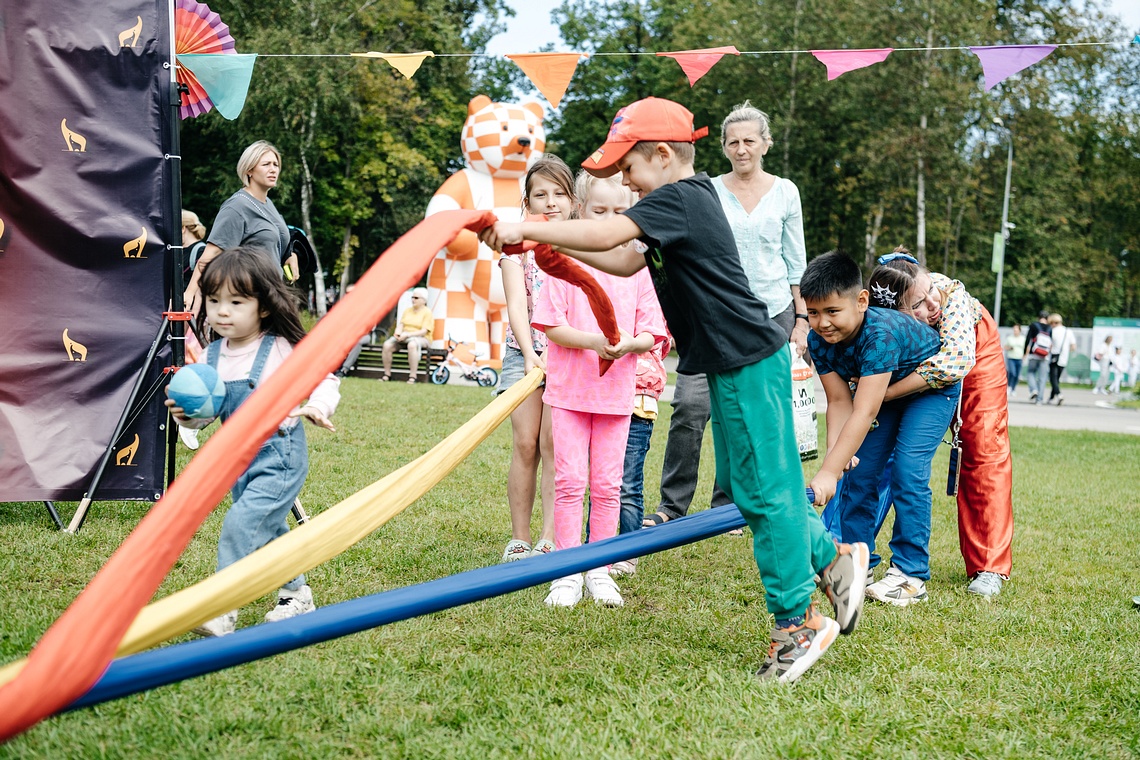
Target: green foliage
[[856, 145], [1047, 670]]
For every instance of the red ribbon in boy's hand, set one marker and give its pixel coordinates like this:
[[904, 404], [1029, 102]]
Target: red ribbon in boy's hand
[[564, 268]]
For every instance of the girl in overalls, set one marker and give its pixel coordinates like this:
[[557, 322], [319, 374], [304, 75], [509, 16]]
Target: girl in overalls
[[250, 308]]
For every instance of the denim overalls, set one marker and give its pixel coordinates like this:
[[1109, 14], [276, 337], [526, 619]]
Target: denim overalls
[[264, 494]]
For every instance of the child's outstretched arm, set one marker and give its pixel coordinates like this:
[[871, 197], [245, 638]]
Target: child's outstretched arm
[[846, 427], [588, 240]]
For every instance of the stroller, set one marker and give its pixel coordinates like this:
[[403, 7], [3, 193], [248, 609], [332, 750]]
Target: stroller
[[463, 358]]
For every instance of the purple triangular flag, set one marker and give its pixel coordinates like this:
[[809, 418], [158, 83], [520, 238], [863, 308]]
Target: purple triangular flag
[[999, 62]]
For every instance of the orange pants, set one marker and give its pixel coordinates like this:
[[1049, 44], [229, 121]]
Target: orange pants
[[985, 488]]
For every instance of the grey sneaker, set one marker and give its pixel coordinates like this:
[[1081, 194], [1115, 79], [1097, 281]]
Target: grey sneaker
[[223, 625], [898, 589], [985, 584], [291, 604], [794, 650], [844, 580]]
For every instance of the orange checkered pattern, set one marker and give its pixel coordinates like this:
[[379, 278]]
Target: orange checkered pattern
[[465, 289]]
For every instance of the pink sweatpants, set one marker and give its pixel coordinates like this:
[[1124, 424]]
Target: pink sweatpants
[[589, 449]]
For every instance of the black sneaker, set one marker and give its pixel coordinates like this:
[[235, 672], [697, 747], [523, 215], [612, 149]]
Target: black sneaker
[[844, 580], [794, 650]]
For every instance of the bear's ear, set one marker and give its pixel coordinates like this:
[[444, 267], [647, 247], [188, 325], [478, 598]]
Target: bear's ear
[[535, 109], [478, 103]]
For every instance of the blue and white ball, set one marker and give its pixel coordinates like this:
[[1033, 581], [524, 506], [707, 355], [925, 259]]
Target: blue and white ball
[[198, 390]]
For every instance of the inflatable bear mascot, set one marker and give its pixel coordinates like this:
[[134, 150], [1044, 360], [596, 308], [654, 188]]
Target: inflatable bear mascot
[[465, 288]]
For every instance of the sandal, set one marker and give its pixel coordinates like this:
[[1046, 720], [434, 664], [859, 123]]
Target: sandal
[[411, 381], [516, 549], [544, 546], [657, 518], [385, 378]]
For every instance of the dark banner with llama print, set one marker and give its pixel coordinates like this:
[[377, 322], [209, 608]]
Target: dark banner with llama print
[[84, 225]]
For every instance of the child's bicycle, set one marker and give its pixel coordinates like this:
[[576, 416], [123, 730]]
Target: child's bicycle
[[462, 357]]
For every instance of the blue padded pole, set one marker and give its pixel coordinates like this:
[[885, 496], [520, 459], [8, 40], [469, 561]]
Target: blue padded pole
[[149, 670]]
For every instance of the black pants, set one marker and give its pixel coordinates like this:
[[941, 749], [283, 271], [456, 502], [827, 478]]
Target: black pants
[[1055, 371]]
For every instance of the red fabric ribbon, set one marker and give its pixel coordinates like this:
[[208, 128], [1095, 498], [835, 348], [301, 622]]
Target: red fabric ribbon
[[565, 268]]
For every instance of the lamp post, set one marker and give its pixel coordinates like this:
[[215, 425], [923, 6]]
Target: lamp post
[[1005, 225]]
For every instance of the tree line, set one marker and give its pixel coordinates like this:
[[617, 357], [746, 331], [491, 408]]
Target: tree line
[[903, 152]]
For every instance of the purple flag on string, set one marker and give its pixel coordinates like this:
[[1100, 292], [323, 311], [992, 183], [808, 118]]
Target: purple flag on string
[[839, 62], [999, 62]]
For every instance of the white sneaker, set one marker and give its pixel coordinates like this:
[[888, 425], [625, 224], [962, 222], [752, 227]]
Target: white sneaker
[[565, 592], [220, 626], [624, 567], [291, 604], [189, 437], [985, 584], [601, 586], [898, 589]]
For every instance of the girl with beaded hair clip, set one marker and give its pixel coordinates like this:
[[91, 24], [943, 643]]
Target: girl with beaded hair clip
[[971, 353]]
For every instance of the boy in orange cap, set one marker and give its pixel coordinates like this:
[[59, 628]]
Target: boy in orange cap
[[722, 330]]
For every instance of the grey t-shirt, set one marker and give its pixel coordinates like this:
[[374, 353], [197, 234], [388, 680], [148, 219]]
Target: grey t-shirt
[[244, 220]]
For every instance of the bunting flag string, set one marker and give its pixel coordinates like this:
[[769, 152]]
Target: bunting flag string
[[227, 81], [999, 62], [225, 78], [839, 62], [405, 63], [696, 63], [550, 72]]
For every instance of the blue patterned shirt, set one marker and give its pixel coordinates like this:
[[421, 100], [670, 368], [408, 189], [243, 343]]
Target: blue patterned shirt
[[887, 341]]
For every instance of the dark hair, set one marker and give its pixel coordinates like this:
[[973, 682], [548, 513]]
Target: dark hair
[[251, 272], [686, 152], [889, 284], [828, 274], [554, 169]]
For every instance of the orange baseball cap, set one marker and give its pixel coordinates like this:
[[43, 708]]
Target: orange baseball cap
[[646, 120]]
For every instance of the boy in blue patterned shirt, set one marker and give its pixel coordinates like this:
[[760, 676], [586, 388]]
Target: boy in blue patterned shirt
[[867, 348]]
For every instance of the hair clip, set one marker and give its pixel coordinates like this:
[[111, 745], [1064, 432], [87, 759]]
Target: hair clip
[[884, 294], [892, 256]]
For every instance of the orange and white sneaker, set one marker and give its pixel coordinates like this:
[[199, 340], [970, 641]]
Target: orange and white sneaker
[[844, 580], [794, 650]]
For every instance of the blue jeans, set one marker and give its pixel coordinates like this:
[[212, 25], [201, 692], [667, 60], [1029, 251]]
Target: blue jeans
[[1036, 375], [910, 429], [1013, 372], [632, 478]]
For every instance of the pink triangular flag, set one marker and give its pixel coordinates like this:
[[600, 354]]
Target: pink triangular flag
[[550, 72], [839, 62], [696, 63], [999, 62]]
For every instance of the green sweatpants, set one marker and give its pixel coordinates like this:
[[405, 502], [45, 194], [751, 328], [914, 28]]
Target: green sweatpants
[[758, 466]]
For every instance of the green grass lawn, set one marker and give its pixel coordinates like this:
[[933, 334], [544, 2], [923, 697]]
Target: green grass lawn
[[1050, 669]]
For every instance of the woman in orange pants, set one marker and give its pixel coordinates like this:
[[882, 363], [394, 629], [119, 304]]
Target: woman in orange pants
[[971, 353]]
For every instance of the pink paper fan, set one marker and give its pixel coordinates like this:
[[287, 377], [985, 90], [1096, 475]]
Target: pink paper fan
[[197, 29]]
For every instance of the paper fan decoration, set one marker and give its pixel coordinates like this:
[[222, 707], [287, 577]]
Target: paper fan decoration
[[197, 29]]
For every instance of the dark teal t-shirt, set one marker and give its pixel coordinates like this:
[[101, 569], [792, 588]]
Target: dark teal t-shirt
[[716, 320], [887, 341]]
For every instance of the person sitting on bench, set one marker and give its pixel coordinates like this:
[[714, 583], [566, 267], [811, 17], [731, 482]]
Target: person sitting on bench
[[414, 334]]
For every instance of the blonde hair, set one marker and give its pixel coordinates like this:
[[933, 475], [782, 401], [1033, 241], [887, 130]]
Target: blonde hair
[[191, 222], [251, 156], [1055, 319], [585, 183], [746, 112]]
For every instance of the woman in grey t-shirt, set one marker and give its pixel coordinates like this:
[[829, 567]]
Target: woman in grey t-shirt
[[248, 217]]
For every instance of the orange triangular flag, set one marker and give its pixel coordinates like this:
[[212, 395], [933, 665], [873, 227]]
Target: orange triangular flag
[[405, 63], [696, 63], [550, 72]]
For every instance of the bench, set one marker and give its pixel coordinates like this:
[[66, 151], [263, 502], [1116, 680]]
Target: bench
[[370, 363]]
